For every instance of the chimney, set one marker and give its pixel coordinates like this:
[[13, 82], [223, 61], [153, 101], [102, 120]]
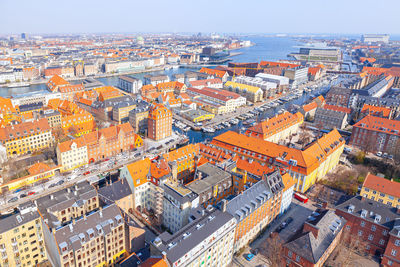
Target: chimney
[[101, 212], [310, 228], [223, 206], [122, 181], [164, 256]]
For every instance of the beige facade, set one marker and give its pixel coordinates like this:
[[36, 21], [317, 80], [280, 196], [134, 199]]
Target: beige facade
[[21, 239]]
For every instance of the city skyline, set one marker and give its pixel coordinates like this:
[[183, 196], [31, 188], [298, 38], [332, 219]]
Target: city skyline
[[158, 16]]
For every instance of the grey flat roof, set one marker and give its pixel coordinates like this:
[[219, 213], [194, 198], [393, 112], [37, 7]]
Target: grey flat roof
[[211, 175], [28, 212], [193, 234]]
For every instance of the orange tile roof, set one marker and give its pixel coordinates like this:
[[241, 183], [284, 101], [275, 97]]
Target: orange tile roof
[[56, 81], [378, 124], [139, 171], [159, 169], [66, 145], [288, 181], [6, 106], [310, 106], [157, 111], [24, 129], [37, 168], [214, 72], [308, 159], [71, 88], [154, 262], [376, 111], [190, 150], [313, 70], [370, 59], [382, 185], [253, 167], [275, 124]]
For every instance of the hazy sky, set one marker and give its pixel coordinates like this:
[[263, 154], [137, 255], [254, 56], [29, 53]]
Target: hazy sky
[[244, 16]]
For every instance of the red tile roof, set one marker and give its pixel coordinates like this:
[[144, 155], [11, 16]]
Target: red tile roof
[[337, 108], [378, 124], [383, 185]]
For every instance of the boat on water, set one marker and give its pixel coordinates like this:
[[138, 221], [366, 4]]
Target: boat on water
[[208, 129], [226, 124], [234, 121], [248, 122], [21, 84]]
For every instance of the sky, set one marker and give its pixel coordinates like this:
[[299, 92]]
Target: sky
[[220, 16]]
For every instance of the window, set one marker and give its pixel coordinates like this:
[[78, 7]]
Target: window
[[370, 237], [397, 242], [373, 228], [298, 258], [390, 262], [360, 233], [394, 252], [362, 223], [381, 242], [384, 232]]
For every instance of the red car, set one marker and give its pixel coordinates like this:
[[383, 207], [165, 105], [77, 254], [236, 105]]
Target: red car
[[106, 159], [31, 193], [86, 173]]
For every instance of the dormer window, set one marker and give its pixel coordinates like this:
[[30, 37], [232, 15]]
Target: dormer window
[[364, 213]]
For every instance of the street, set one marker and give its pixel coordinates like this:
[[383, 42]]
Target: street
[[298, 212]]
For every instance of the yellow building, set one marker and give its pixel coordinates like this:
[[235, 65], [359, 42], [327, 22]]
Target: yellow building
[[121, 111], [53, 117], [381, 190], [252, 93], [26, 137], [72, 154], [21, 238], [37, 172], [306, 166], [197, 115]]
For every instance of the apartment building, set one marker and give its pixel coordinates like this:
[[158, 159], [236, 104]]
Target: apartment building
[[271, 85], [72, 154], [155, 79], [210, 83], [304, 165], [138, 117], [376, 111], [97, 145], [251, 211], [182, 162], [53, 117], [330, 119], [119, 193], [381, 190], [207, 240], [34, 97], [251, 93], [21, 237], [375, 134], [211, 184], [129, 84], [223, 75], [288, 191], [120, 111], [95, 239], [319, 237], [369, 220], [297, 75], [277, 128], [178, 203], [173, 86], [217, 101], [159, 122], [144, 179], [391, 256], [338, 96], [26, 137]]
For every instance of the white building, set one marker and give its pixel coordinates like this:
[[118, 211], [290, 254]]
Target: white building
[[206, 241], [34, 97], [177, 205], [280, 80], [129, 84], [72, 154], [375, 38]]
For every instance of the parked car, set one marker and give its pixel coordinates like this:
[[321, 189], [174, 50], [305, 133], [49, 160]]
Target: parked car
[[249, 256], [60, 182], [254, 251], [86, 173], [23, 195], [30, 193], [379, 154], [52, 185], [14, 199]]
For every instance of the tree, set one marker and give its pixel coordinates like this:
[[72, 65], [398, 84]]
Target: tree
[[349, 248], [272, 249]]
